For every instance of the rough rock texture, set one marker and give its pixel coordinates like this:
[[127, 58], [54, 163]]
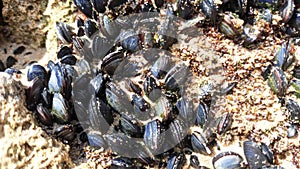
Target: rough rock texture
[[23, 143]]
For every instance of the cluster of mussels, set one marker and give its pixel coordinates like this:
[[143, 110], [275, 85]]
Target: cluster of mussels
[[282, 84], [124, 95]]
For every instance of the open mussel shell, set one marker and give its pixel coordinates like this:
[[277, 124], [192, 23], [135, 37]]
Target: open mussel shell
[[227, 160], [254, 156], [60, 109], [176, 161]]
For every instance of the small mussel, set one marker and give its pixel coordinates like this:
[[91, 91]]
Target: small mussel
[[283, 58], [66, 132], [194, 161], [277, 81], [202, 114], [227, 160], [131, 126], [176, 161], [122, 163], [96, 140], [294, 110], [59, 108], [44, 115], [199, 143]]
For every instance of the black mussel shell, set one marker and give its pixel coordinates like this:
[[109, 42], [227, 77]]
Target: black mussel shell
[[90, 28], [36, 71], [160, 67], [122, 163], [176, 161], [99, 5], [185, 9], [64, 32], [228, 160], [186, 111], [12, 71], [209, 10], [199, 143], [59, 109], [294, 110], [96, 140], [202, 114], [176, 77], [100, 115], [66, 132], [33, 93], [117, 99], [131, 126], [44, 115], [65, 50], [194, 161], [85, 7], [100, 46], [154, 135], [151, 88], [267, 152], [112, 61], [224, 123], [251, 150], [68, 59]]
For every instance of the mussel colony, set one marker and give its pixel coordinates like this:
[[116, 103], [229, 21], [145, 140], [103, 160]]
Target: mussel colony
[[117, 86]]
